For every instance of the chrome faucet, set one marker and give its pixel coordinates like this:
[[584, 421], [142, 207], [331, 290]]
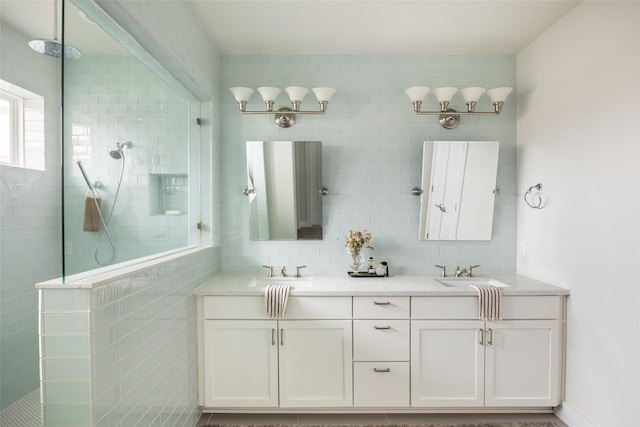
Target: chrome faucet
[[283, 272], [471, 269], [298, 270], [271, 273], [443, 270], [459, 272]]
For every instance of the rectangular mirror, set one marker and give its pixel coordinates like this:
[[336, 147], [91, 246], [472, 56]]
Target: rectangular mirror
[[284, 183], [459, 188]]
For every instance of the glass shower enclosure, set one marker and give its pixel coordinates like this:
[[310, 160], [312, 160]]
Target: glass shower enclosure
[[130, 149]]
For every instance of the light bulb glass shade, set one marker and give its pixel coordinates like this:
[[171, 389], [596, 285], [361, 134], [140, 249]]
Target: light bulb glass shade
[[323, 93], [499, 94], [417, 93], [241, 93], [296, 93], [444, 94], [269, 93], [472, 94]]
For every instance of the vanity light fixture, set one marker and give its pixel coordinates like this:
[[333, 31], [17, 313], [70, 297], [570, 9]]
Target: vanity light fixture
[[285, 117], [449, 118]]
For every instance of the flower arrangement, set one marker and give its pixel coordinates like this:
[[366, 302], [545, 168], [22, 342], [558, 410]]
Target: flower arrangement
[[356, 240]]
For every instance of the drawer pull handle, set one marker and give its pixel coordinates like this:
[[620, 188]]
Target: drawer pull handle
[[382, 303], [381, 370], [382, 327]]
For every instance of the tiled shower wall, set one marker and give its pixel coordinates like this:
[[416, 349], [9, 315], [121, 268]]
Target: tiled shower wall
[[124, 353], [29, 222], [372, 147]]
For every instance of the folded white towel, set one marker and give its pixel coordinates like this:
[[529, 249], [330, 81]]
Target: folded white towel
[[489, 302], [276, 298]]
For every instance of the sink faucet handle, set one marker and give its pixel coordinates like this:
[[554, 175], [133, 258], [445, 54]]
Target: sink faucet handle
[[298, 270], [271, 273], [283, 271], [471, 267], [443, 270]]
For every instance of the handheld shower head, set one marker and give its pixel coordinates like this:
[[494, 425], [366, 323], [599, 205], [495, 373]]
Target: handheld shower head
[[119, 153], [84, 175]]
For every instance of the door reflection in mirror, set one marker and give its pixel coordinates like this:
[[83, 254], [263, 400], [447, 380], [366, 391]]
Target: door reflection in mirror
[[459, 183], [284, 179]]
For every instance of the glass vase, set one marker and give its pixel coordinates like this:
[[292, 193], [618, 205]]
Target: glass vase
[[356, 260]]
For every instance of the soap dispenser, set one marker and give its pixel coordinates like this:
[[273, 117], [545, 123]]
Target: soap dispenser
[[372, 266]]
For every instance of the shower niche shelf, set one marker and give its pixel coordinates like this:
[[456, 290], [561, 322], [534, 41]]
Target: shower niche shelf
[[168, 194]]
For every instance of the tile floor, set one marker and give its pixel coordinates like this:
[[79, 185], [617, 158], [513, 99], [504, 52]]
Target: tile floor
[[369, 419]]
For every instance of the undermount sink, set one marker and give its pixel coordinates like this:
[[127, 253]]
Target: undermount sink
[[294, 282], [465, 282]]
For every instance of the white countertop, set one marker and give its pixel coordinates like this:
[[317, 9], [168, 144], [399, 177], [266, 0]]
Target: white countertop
[[372, 286]]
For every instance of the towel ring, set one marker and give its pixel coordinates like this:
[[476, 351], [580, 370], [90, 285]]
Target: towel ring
[[536, 198]]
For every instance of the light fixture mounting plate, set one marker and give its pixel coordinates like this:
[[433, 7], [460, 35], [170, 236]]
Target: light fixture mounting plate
[[283, 119], [448, 120]]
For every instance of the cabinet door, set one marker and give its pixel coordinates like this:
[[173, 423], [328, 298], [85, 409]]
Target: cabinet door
[[240, 363], [315, 363], [447, 363], [522, 363]]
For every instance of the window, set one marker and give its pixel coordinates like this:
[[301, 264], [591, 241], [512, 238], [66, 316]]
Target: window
[[22, 130]]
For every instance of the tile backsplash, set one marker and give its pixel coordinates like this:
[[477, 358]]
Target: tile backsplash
[[372, 147]]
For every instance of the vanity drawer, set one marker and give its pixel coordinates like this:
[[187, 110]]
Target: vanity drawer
[[381, 307], [513, 307], [444, 308], [319, 308], [532, 307], [252, 307], [381, 384], [381, 340], [234, 307]]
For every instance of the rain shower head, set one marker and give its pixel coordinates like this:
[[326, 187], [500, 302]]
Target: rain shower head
[[119, 153], [53, 48]]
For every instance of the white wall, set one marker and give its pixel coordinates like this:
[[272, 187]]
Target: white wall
[[578, 134]]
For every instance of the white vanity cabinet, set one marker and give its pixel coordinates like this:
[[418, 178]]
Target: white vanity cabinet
[[381, 338], [459, 361], [249, 360], [393, 351]]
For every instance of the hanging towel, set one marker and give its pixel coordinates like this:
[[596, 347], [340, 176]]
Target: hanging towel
[[489, 302], [91, 215], [276, 298]]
